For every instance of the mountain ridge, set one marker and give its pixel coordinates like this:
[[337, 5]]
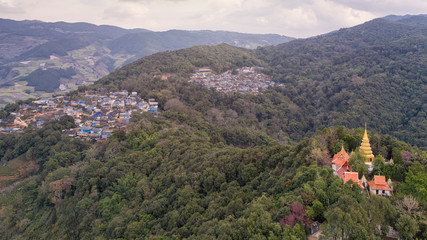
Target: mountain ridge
[[366, 73], [92, 50]]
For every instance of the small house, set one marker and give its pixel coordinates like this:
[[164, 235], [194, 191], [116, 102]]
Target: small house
[[84, 131], [379, 186]]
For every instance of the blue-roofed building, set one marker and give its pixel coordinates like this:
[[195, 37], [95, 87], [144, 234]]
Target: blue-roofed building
[[84, 131], [97, 115]]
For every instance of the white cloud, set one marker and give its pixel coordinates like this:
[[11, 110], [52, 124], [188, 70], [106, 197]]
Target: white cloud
[[299, 18], [10, 7], [386, 6], [129, 10]]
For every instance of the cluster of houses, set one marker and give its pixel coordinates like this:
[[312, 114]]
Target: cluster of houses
[[96, 114], [242, 80], [342, 169]]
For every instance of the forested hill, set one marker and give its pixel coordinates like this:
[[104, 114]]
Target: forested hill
[[375, 73], [417, 20], [177, 176], [213, 165]]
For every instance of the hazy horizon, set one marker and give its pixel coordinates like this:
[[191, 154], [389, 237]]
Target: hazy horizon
[[298, 19]]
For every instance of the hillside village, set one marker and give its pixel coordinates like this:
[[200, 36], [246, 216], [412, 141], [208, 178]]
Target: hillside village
[[242, 80], [96, 114]]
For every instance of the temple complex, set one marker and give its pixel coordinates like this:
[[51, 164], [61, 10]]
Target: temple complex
[[342, 169]]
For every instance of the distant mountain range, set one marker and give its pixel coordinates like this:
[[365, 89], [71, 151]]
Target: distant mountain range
[[92, 51]]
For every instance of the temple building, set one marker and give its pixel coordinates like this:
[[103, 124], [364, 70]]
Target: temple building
[[353, 176], [342, 168], [379, 186], [366, 151], [340, 163]]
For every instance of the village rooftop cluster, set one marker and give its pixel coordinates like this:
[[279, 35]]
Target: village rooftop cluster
[[96, 114], [242, 80]]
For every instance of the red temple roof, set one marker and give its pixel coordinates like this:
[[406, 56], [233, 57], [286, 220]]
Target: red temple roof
[[379, 183], [353, 176], [341, 155], [340, 160]]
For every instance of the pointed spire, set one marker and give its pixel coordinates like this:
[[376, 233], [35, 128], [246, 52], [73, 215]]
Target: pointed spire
[[365, 147], [365, 135]]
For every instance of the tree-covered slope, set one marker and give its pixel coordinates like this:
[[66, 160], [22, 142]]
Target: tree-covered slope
[[49, 79], [213, 165], [176, 176], [374, 72]]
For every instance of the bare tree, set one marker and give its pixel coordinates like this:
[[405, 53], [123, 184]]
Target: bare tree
[[407, 205]]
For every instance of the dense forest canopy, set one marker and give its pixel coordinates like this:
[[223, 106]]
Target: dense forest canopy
[[374, 73], [178, 176], [213, 165]]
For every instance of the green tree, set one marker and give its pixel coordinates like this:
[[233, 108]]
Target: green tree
[[380, 213], [416, 182], [316, 211], [347, 219], [378, 165], [407, 226], [357, 163]]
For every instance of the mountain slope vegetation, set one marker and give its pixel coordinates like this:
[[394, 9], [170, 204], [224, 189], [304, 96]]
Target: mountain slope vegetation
[[374, 72], [177, 176], [215, 165]]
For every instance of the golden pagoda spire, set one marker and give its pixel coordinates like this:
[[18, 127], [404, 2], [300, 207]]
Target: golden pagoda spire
[[365, 147]]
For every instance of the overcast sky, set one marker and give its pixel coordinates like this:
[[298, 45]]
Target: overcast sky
[[296, 18]]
